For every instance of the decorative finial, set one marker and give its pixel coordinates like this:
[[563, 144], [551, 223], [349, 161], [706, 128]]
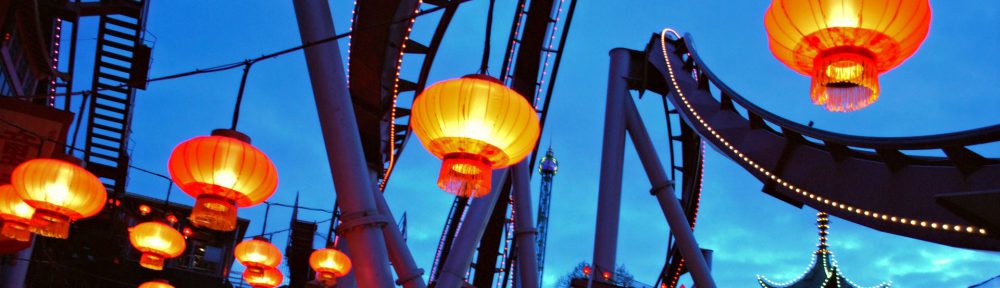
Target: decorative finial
[[823, 223]]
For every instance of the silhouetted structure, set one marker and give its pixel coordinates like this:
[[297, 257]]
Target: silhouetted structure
[[823, 272]]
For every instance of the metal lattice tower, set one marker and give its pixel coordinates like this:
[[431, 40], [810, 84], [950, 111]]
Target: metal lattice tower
[[547, 168]]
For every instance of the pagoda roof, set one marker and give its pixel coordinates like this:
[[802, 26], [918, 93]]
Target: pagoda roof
[[823, 271]]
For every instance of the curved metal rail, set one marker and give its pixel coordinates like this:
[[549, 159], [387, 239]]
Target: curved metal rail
[[914, 196], [374, 75]]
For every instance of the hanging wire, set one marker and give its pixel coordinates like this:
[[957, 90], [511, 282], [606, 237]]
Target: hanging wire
[[235, 65], [483, 68], [239, 95], [263, 226]]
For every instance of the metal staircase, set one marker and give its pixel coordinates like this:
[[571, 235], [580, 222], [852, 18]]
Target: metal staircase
[[120, 67]]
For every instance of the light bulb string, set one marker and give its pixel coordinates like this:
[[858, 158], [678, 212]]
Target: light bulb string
[[239, 95]]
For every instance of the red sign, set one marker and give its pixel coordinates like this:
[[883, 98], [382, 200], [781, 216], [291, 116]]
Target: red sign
[[28, 131]]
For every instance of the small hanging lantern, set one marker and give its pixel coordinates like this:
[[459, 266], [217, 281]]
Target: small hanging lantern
[[222, 171], [60, 192], [475, 124], [156, 284], [845, 44], [257, 255], [268, 278], [329, 265], [157, 242], [16, 215]]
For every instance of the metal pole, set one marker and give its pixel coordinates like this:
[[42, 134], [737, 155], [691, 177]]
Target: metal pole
[[612, 154], [524, 230], [355, 192], [16, 274], [407, 270], [663, 189], [460, 256]]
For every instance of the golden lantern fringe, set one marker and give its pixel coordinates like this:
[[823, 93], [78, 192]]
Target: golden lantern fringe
[[50, 224], [16, 230], [214, 212], [844, 82], [465, 176], [152, 261]]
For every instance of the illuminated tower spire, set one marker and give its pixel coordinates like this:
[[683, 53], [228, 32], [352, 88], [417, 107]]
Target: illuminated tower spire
[[547, 168], [823, 223]]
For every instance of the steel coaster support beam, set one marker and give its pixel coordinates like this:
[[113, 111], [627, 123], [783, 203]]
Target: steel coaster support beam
[[612, 155], [524, 229], [460, 256], [355, 191], [663, 189], [402, 261]]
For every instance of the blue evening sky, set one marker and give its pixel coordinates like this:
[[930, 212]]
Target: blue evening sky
[[950, 84]]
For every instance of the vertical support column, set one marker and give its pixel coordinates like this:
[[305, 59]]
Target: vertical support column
[[612, 154], [524, 230], [402, 261], [16, 274], [355, 192], [663, 189], [469, 233]]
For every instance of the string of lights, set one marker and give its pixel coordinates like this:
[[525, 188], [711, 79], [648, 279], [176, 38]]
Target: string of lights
[[739, 156]]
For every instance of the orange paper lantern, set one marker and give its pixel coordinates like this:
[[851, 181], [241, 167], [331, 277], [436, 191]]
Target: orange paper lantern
[[257, 255], [475, 124], [156, 284], [222, 171], [329, 264], [268, 278], [157, 242], [60, 192], [16, 215], [845, 44]]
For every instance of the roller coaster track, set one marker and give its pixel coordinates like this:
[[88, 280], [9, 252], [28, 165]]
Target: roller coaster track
[[949, 200], [376, 59]]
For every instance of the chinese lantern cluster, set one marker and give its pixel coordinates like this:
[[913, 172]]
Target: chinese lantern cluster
[[475, 124], [845, 44], [329, 265], [46, 195], [259, 256]]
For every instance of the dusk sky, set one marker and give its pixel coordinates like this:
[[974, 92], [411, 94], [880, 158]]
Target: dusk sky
[[950, 84]]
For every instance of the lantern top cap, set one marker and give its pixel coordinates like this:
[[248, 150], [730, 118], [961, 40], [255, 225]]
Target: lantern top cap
[[483, 77], [261, 238], [230, 133]]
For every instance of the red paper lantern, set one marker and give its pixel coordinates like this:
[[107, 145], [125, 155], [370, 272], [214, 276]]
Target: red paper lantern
[[257, 255], [845, 44], [475, 124], [16, 215], [268, 278], [329, 264], [60, 192], [157, 242], [222, 171]]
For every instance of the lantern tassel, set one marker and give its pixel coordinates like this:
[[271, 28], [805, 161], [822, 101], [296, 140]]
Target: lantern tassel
[[50, 224], [214, 212], [844, 82], [465, 175]]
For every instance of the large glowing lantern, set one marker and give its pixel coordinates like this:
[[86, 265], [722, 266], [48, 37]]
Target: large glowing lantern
[[845, 44], [268, 278], [257, 255], [222, 171], [60, 192], [329, 264], [156, 284], [475, 124], [157, 242], [16, 215]]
